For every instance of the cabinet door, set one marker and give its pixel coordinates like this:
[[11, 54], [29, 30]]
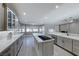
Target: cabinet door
[[7, 52], [64, 27], [16, 47], [60, 41], [40, 49], [76, 47], [68, 44], [54, 37], [48, 49]]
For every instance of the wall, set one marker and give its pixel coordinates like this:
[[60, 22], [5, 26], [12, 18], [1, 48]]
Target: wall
[[1, 16]]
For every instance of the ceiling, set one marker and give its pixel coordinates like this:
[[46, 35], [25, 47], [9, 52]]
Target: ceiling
[[43, 13]]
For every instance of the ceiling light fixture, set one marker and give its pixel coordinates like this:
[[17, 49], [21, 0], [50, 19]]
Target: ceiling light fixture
[[71, 21], [45, 17], [24, 13], [57, 6]]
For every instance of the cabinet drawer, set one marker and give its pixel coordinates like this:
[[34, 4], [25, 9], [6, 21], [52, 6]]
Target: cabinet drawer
[[76, 47]]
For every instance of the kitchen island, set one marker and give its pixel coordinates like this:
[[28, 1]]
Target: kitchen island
[[43, 47]]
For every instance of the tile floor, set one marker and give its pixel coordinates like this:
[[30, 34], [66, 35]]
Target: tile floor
[[28, 49]]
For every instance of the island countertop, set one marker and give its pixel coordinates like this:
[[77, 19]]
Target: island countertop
[[35, 35], [5, 42]]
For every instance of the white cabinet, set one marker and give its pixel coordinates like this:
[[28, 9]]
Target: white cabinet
[[60, 41], [44, 48], [76, 47], [13, 49], [8, 52], [64, 27], [48, 48], [68, 44], [65, 43], [11, 20], [38, 47], [74, 28]]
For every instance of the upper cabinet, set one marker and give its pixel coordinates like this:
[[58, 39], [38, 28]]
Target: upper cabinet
[[11, 20], [64, 28], [69, 25], [74, 28]]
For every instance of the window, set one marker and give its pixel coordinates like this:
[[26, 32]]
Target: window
[[51, 30], [32, 28], [35, 30], [41, 29], [29, 30]]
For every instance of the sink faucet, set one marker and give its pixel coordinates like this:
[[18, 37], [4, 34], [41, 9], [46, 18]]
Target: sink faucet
[[9, 35], [67, 33]]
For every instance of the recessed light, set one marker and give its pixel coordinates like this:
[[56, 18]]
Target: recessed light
[[24, 13], [45, 17], [71, 21], [57, 6]]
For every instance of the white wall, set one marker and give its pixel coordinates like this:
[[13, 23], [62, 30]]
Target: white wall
[[1, 16]]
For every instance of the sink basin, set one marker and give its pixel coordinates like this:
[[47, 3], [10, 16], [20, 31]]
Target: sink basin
[[43, 37]]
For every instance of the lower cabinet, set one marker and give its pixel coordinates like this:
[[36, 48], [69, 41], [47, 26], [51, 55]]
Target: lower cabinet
[[8, 51], [48, 49], [44, 48], [13, 49], [65, 43], [38, 47], [68, 44], [60, 41], [76, 47], [54, 37]]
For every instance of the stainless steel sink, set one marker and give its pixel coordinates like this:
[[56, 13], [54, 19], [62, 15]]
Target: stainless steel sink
[[43, 37]]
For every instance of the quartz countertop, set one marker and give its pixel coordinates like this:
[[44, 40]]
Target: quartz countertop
[[70, 36], [5, 42], [38, 39]]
